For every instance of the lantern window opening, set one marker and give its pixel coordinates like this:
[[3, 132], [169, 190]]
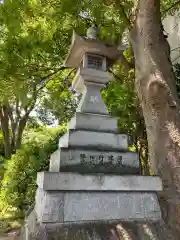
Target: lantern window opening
[[95, 62]]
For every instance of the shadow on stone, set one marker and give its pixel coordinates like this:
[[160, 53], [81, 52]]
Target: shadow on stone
[[134, 230]]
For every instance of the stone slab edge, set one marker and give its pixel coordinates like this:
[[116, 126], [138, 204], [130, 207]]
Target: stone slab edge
[[51, 181], [97, 122], [58, 206], [95, 140]]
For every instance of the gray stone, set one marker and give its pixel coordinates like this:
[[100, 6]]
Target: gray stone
[[95, 140], [80, 46], [96, 122], [86, 75], [110, 206], [122, 230], [78, 182], [91, 101], [88, 161], [55, 161], [49, 206], [96, 206]]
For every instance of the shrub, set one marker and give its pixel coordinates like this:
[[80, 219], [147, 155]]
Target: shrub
[[19, 182]]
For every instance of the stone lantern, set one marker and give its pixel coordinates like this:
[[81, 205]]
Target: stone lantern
[[93, 177]]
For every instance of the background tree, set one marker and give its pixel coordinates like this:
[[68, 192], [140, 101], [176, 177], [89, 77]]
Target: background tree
[[156, 88], [31, 66]]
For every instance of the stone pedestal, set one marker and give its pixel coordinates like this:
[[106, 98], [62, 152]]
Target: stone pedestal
[[77, 198]]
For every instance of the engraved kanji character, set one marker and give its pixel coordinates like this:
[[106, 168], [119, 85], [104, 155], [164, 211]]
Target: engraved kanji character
[[83, 158], [92, 159], [101, 159], [110, 158], [119, 160], [93, 99]]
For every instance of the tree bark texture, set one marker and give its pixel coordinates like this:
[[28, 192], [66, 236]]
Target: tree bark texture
[[4, 119], [156, 88]]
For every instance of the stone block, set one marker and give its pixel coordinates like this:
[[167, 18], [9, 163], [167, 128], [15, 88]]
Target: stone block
[[110, 206], [88, 161], [79, 182], [91, 101], [91, 75], [54, 165], [79, 207], [96, 122], [95, 140]]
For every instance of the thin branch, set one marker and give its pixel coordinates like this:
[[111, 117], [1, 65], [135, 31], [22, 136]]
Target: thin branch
[[128, 21], [125, 62], [119, 5], [36, 90], [117, 77], [175, 59], [47, 77], [175, 49]]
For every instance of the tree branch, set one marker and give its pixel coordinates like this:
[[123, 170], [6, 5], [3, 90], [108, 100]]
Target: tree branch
[[128, 21], [120, 6], [47, 77], [37, 89], [117, 77], [126, 64], [4, 119]]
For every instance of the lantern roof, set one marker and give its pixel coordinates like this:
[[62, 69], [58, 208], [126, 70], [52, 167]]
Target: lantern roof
[[82, 45]]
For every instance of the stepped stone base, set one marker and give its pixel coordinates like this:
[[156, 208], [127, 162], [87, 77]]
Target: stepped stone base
[[76, 198]]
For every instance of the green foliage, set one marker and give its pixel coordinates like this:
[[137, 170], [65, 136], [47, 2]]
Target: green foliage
[[122, 102], [19, 182], [169, 7]]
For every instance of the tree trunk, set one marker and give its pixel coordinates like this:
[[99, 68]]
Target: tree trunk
[[4, 119], [156, 88], [21, 126], [12, 129]]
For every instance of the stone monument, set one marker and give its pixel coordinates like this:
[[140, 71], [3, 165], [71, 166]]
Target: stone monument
[[93, 177]]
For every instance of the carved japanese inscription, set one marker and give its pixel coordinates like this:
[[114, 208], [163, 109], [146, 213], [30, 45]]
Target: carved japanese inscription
[[84, 160], [100, 159]]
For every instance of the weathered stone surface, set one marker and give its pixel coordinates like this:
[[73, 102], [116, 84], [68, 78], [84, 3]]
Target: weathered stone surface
[[78, 182], [55, 161], [122, 230], [110, 206], [49, 206], [80, 46], [91, 101], [96, 122], [88, 161], [94, 140], [52, 206]]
